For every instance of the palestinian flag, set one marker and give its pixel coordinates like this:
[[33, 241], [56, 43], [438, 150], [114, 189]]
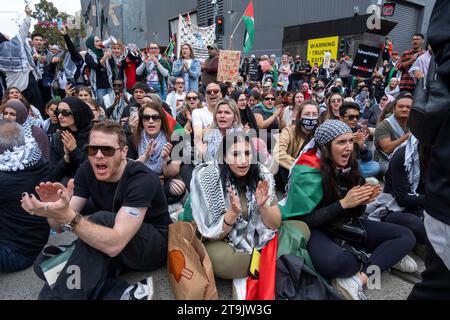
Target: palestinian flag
[[249, 20], [305, 185], [174, 126]]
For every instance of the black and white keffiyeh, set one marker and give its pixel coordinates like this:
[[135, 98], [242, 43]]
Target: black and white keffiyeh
[[21, 158], [209, 206], [330, 130], [155, 162]]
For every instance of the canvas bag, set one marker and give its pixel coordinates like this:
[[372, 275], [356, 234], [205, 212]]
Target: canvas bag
[[189, 268]]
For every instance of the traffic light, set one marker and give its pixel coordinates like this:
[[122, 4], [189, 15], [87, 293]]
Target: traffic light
[[220, 26], [342, 46]]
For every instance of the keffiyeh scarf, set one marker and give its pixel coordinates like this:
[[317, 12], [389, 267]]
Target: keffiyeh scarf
[[21, 158], [209, 205], [155, 162]]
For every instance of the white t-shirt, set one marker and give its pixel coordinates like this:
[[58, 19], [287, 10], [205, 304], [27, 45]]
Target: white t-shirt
[[175, 100], [202, 117]]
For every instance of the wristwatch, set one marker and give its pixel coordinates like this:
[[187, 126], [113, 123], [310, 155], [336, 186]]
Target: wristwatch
[[69, 227]]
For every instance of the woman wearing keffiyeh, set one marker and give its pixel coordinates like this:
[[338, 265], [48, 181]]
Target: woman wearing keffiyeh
[[234, 205], [150, 144]]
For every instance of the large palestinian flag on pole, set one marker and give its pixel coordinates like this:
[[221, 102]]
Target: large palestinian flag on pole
[[305, 185], [249, 20]]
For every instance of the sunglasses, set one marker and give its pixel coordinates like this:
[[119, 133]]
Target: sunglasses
[[210, 92], [107, 151], [177, 83], [353, 117], [191, 98], [269, 99], [64, 113], [154, 117], [154, 48], [118, 85], [384, 99]]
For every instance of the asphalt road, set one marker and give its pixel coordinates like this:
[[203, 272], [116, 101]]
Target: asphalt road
[[26, 286]]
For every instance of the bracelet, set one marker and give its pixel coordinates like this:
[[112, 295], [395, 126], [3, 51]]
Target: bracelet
[[226, 223]]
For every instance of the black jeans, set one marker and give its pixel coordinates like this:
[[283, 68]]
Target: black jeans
[[146, 252], [186, 174], [410, 221], [387, 243], [436, 278]]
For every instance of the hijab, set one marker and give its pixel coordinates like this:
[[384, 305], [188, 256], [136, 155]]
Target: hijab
[[82, 113], [90, 44]]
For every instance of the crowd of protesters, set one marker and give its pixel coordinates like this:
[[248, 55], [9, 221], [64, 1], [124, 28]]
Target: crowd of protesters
[[88, 141]]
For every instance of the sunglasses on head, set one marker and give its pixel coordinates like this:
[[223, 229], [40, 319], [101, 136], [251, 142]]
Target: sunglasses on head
[[269, 99], [154, 117], [64, 113], [192, 98], [353, 117], [212, 92], [107, 151]]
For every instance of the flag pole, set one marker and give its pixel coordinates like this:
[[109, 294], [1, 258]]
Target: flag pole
[[232, 34]]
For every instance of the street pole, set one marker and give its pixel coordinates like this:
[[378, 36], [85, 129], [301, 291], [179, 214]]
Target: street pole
[[232, 34]]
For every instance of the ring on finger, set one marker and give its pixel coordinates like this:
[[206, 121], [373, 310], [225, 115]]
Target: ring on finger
[[46, 207]]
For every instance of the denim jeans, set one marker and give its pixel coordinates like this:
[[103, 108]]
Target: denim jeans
[[100, 94], [369, 169], [11, 260]]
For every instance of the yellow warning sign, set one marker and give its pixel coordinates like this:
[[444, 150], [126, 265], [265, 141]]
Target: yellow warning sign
[[318, 47]]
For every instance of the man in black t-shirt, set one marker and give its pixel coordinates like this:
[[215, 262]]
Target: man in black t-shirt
[[128, 232]]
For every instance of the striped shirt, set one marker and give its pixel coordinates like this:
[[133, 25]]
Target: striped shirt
[[405, 63]]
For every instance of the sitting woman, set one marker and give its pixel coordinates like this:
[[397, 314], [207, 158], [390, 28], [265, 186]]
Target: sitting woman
[[248, 120], [291, 111], [67, 146], [293, 139], [403, 199], [15, 110], [234, 205], [150, 144], [269, 117], [334, 102], [327, 192]]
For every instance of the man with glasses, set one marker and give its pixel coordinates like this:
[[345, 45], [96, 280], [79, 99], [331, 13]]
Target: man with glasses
[[407, 60], [211, 66], [116, 102], [175, 99], [156, 71], [128, 231], [393, 132], [349, 113], [202, 118]]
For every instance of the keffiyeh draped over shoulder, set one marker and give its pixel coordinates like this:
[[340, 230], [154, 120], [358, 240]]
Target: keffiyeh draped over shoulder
[[209, 205]]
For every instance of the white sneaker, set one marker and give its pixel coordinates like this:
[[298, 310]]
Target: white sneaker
[[407, 264], [142, 290], [350, 288]]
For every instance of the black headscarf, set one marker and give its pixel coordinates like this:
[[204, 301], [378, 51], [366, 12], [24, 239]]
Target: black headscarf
[[247, 115], [82, 113]]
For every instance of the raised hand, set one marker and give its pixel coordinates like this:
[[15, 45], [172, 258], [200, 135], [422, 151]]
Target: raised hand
[[262, 193], [69, 141], [235, 203], [357, 196], [48, 192], [167, 150], [148, 152]]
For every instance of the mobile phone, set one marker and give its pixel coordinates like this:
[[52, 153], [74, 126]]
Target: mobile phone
[[134, 112], [60, 23]]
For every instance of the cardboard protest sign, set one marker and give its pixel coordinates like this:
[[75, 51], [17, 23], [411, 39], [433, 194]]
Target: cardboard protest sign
[[229, 62]]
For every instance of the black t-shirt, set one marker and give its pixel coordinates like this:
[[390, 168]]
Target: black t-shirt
[[19, 229], [139, 188]]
